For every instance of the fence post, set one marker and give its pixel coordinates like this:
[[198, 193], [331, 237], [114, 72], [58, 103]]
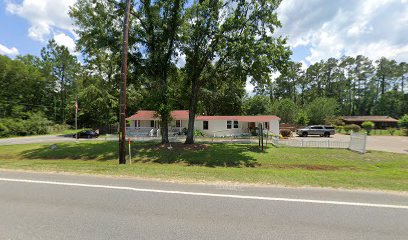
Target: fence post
[[302, 142], [328, 143], [365, 143]]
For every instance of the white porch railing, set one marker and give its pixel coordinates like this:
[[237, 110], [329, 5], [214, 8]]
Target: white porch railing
[[228, 133], [150, 131], [141, 131]]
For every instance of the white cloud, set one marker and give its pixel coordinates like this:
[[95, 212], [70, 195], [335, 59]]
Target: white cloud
[[43, 15], [8, 51], [64, 40], [345, 27]]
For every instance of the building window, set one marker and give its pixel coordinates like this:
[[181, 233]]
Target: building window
[[229, 124], [266, 125], [178, 123], [236, 124], [137, 123], [152, 123], [205, 125]]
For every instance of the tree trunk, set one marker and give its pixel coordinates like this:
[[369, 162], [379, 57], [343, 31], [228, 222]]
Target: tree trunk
[[164, 130], [382, 85], [192, 112], [165, 117]]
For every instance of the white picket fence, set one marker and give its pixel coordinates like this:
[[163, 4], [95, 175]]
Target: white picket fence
[[356, 143]]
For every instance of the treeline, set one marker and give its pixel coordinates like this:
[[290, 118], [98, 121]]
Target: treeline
[[35, 92], [320, 110], [356, 85], [196, 56]]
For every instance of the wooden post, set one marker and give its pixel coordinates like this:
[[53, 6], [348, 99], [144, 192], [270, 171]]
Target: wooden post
[[259, 135], [262, 138], [124, 69]]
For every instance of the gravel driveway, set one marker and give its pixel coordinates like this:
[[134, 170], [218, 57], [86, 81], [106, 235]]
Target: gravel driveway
[[396, 144]]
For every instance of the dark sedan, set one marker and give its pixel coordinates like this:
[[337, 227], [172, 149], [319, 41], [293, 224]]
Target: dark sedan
[[86, 134]]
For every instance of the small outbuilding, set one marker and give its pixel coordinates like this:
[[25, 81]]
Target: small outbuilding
[[380, 122]]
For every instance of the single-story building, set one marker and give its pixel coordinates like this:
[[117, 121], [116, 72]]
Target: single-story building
[[148, 122], [379, 121]]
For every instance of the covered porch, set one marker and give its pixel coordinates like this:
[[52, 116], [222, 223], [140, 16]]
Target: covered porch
[[151, 128]]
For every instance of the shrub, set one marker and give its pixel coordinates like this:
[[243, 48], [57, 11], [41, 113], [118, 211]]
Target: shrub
[[391, 131], [4, 131], [368, 126], [37, 124], [285, 133], [16, 126], [339, 129], [403, 123], [198, 133], [352, 127]]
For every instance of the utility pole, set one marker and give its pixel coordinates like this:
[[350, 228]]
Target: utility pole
[[124, 70]]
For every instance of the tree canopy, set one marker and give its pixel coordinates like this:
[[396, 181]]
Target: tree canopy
[[195, 55]]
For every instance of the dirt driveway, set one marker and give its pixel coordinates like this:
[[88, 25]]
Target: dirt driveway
[[397, 144]]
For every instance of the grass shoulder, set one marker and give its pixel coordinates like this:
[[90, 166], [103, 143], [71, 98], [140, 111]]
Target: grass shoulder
[[243, 163]]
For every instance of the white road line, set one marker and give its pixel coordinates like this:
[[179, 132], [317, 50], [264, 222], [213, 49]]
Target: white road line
[[208, 194]]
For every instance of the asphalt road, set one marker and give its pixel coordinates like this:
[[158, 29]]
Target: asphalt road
[[47, 139], [58, 206]]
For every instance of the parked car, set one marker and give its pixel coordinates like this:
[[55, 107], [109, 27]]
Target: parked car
[[321, 130], [86, 134]]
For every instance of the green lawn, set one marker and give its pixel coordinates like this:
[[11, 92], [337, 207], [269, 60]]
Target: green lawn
[[219, 162]]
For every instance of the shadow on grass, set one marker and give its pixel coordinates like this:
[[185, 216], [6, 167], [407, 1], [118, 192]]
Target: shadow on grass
[[102, 151], [210, 155]]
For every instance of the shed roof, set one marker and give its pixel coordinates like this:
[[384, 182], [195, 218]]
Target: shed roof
[[369, 118]]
